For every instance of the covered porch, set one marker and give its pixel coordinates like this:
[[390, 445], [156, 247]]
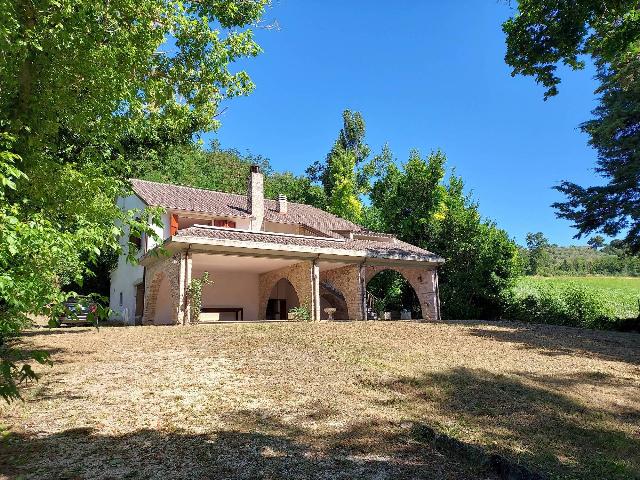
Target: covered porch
[[257, 286]]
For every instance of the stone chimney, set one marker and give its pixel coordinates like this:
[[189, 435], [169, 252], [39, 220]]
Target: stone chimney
[[282, 203], [255, 198]]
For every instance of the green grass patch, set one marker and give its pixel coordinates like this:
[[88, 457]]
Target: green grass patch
[[619, 295]]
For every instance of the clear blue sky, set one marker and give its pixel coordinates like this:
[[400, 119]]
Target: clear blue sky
[[426, 75]]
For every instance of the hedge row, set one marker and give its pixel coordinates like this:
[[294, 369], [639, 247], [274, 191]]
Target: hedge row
[[570, 305]]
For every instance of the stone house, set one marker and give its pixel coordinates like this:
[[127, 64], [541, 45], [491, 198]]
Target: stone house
[[264, 256]]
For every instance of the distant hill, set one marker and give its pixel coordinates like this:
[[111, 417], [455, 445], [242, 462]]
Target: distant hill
[[575, 260]]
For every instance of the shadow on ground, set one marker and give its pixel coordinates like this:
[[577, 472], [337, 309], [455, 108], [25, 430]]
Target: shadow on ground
[[523, 418], [43, 331], [556, 340], [271, 451]]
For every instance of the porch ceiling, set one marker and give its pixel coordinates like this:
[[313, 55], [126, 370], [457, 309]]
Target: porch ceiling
[[237, 263], [204, 261]]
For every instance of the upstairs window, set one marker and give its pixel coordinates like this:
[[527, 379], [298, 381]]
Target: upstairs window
[[180, 222], [136, 241], [224, 223]]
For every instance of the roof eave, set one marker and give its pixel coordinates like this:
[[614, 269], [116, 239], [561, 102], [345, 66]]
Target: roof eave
[[247, 248]]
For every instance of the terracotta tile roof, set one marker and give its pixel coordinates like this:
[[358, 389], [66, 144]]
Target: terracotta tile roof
[[217, 203], [190, 199], [395, 249]]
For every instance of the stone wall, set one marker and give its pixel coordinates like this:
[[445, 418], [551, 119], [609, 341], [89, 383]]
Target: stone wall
[[167, 270], [299, 275], [175, 271], [423, 280], [346, 280]]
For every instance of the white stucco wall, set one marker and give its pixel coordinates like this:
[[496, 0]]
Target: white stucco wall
[[125, 276], [231, 289], [162, 232], [243, 223]]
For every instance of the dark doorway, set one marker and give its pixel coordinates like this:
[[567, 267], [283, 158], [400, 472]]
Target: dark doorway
[[276, 309], [282, 298], [139, 304]]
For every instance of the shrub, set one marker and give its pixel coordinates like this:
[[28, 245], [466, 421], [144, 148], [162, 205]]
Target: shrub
[[570, 305], [301, 313], [194, 292]]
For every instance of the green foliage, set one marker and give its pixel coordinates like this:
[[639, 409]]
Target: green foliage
[[86, 88], [372, 219], [194, 295], [416, 203], [340, 174], [297, 188], [225, 170], [12, 373], [590, 302], [303, 312], [596, 242], [538, 253], [611, 208], [393, 293], [620, 295], [546, 33], [571, 306], [343, 197], [542, 258]]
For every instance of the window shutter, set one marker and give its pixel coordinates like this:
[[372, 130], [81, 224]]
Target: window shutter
[[231, 224], [173, 225]]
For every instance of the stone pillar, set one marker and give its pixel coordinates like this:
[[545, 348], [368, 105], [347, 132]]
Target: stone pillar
[[255, 198], [436, 289], [182, 289], [315, 288], [362, 279]]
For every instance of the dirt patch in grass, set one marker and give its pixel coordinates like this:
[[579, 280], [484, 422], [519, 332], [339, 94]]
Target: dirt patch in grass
[[330, 400]]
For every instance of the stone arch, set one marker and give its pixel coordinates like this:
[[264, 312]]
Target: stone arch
[[344, 281], [330, 296], [298, 275], [422, 280], [162, 292], [283, 290]]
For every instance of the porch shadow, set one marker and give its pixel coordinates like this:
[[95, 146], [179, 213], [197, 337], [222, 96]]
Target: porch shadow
[[272, 452], [557, 340], [525, 419]]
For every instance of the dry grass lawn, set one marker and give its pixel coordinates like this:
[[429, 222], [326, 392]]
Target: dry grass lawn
[[324, 400]]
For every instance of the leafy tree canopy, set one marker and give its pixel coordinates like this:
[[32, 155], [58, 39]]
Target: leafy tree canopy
[[596, 242], [84, 84], [538, 250], [546, 33], [226, 170], [417, 203], [340, 174]]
